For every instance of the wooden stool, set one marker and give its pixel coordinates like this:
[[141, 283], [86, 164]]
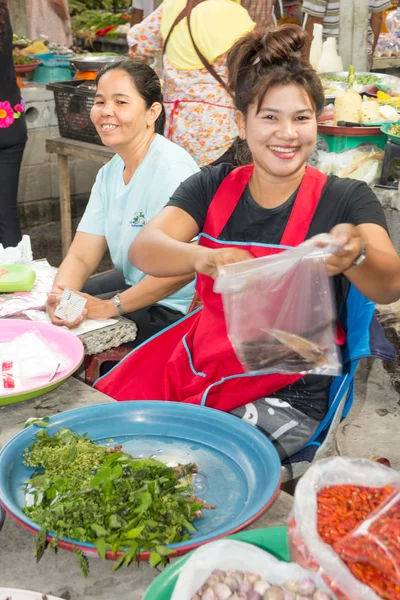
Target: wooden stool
[[93, 362]]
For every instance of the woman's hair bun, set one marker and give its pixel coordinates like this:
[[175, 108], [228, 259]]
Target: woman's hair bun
[[264, 48], [282, 44], [263, 58]]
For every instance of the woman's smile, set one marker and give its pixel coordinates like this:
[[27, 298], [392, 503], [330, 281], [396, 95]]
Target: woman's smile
[[284, 152], [108, 127]]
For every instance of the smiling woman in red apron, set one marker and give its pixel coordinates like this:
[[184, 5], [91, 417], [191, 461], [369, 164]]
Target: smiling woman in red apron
[[255, 210]]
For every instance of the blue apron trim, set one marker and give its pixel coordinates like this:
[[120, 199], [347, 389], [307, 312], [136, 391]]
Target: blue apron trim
[[184, 342], [153, 337], [227, 243], [204, 397]]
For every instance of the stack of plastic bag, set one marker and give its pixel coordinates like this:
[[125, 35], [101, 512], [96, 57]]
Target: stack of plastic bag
[[29, 358], [363, 163]]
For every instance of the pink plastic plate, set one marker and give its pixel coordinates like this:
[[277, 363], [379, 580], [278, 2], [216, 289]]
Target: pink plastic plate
[[61, 339]]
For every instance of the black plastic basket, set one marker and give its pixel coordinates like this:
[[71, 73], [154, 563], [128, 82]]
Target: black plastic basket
[[73, 106]]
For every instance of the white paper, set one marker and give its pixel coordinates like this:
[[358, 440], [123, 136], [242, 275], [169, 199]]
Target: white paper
[[71, 306], [86, 326]]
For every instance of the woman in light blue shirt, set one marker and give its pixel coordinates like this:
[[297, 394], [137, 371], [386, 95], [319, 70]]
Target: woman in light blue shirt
[[133, 187]]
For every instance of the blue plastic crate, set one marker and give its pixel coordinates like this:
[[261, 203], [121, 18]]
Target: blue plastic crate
[[52, 70]]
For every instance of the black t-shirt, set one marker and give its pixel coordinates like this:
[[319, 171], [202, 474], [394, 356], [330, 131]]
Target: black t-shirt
[[9, 90], [342, 201]]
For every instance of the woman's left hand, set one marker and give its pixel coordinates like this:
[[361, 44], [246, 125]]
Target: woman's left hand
[[350, 237], [98, 308]]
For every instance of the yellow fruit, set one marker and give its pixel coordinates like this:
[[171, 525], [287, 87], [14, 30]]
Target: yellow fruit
[[35, 48], [382, 96]]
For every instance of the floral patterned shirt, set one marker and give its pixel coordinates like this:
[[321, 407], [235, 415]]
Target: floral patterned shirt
[[200, 113]]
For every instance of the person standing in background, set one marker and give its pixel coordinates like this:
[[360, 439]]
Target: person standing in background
[[260, 11], [200, 109], [50, 18], [13, 135], [288, 11], [326, 12]]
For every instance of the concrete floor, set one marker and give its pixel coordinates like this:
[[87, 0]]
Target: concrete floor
[[372, 427]]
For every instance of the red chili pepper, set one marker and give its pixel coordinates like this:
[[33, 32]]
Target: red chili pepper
[[353, 505], [105, 30], [340, 510], [376, 543]]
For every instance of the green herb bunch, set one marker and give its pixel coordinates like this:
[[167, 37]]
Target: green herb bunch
[[95, 494]]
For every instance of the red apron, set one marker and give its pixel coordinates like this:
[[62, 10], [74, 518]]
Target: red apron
[[193, 360]]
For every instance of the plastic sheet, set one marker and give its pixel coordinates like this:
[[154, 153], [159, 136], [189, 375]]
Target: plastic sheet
[[363, 163]]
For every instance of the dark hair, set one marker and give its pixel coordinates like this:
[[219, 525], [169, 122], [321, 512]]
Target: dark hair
[[146, 82], [263, 59]]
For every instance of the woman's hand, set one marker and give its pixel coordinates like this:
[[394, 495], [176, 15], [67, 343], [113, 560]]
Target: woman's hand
[[95, 308], [53, 300], [342, 260], [209, 261]]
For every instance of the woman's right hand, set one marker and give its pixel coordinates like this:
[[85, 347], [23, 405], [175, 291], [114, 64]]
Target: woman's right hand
[[53, 300], [209, 261]]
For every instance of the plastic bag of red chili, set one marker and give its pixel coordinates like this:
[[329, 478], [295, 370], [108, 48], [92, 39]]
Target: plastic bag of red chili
[[333, 498], [376, 541]]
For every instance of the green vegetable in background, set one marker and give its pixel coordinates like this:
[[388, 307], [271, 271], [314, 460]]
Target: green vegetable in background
[[352, 78], [19, 59], [78, 6], [103, 496], [394, 129]]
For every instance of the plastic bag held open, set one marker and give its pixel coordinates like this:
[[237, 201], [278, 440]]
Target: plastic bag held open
[[279, 311]]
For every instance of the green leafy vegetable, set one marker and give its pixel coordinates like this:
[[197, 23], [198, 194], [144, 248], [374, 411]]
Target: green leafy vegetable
[[100, 495]]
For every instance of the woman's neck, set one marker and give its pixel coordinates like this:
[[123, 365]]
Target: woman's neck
[[132, 154], [269, 191]]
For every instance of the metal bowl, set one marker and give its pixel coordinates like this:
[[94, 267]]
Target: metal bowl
[[95, 63]]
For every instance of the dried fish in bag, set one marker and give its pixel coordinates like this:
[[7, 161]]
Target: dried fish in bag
[[279, 311]]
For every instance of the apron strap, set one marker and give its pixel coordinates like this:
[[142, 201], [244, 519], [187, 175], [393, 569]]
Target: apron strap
[[304, 207], [232, 187], [186, 12], [225, 200]]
